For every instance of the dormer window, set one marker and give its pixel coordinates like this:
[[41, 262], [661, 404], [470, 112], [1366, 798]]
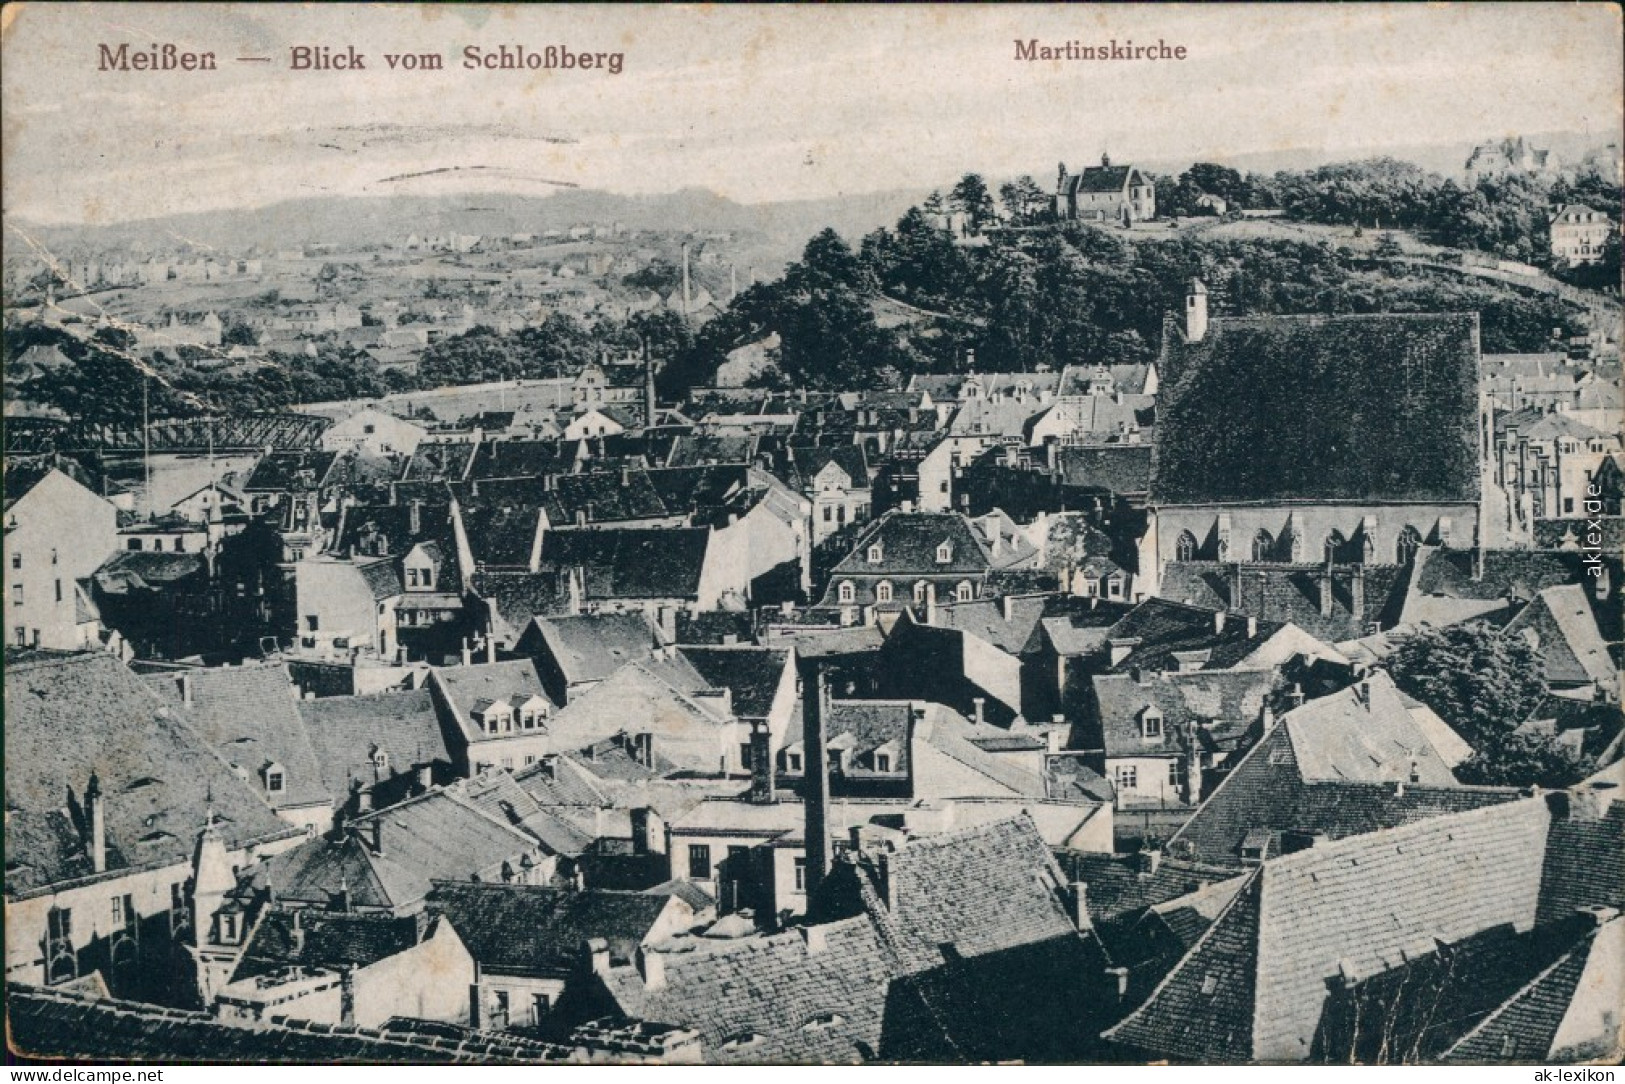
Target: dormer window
[[883, 591], [964, 591], [875, 554], [882, 762], [276, 779], [792, 762], [847, 591], [1151, 725], [945, 553], [380, 760], [922, 591]]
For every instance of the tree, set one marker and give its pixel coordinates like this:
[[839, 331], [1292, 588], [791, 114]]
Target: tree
[[1524, 759], [1023, 200], [1481, 683], [971, 197]]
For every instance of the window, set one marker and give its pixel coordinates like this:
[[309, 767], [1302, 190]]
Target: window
[[922, 591], [1178, 776], [875, 554], [539, 1005], [133, 544], [16, 594], [59, 924], [507, 762], [20, 634], [699, 861], [380, 760], [312, 623], [1410, 540], [121, 907], [369, 430], [1128, 777], [829, 514], [882, 762], [179, 545], [16, 560], [59, 590], [964, 591], [1151, 726], [847, 591], [945, 553], [1114, 587], [744, 755], [1598, 448], [792, 762], [801, 874], [883, 592], [1263, 546], [499, 1009], [1185, 548], [275, 780]]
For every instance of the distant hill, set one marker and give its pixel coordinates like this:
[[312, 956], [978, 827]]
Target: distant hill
[[781, 229]]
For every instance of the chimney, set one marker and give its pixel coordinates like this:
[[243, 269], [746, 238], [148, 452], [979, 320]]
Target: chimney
[[1362, 693], [597, 955], [1218, 622], [626, 476], [1053, 736], [641, 823], [297, 932], [1252, 626], [1120, 974], [187, 691], [1007, 604], [648, 386], [347, 995], [1324, 581], [96, 820], [377, 827], [425, 777], [815, 939], [761, 764], [980, 703], [1148, 861], [1196, 312], [1078, 897], [491, 646], [815, 712], [415, 516], [1235, 586], [643, 748], [1294, 696], [652, 967]]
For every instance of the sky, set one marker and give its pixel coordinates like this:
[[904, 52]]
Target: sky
[[756, 104]]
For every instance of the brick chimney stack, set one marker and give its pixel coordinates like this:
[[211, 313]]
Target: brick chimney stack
[[762, 781]]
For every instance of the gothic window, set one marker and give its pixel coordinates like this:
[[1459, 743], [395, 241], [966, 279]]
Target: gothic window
[[1334, 547], [1185, 548], [1410, 540], [1263, 546]]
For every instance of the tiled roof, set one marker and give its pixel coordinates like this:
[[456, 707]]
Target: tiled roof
[[439, 462], [1163, 628], [348, 731], [327, 940], [1256, 984], [1120, 468], [1572, 995], [501, 535], [1292, 593], [1585, 858], [460, 687], [523, 929], [318, 871], [908, 544], [440, 836], [518, 459], [1098, 179], [498, 795], [632, 564], [807, 461], [382, 577], [520, 596], [386, 530], [1366, 734], [280, 470], [250, 716], [1209, 708], [70, 715], [590, 647], [145, 568], [51, 1023], [1265, 793], [1377, 407], [636, 699], [1559, 624], [753, 674], [714, 627]]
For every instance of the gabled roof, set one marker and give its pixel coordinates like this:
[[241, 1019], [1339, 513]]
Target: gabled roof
[[1559, 624], [1162, 627], [634, 564], [908, 543], [1207, 708], [520, 596], [1255, 985], [459, 688], [1365, 408], [636, 699], [1366, 733], [751, 674], [324, 940], [590, 647], [280, 471], [527, 930], [1124, 469], [386, 530], [497, 794], [348, 731], [318, 872], [250, 715], [1104, 178], [70, 715]]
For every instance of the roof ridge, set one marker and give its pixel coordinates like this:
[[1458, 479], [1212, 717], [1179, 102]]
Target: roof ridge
[[1400, 832]]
